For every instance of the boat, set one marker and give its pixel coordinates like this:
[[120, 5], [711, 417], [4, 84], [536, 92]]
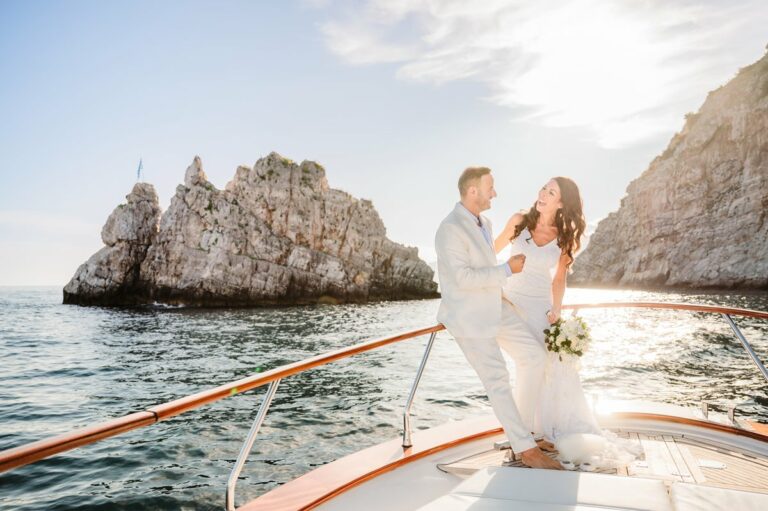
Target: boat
[[692, 459]]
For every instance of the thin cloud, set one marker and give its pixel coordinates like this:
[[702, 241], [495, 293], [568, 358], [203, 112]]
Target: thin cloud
[[44, 224], [625, 70], [359, 45]]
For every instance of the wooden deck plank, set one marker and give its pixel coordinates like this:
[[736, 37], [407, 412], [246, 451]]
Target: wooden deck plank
[[639, 467], [664, 456], [471, 464], [677, 458], [740, 473], [660, 462], [691, 462]]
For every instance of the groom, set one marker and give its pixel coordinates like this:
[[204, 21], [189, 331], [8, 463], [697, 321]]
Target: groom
[[482, 323]]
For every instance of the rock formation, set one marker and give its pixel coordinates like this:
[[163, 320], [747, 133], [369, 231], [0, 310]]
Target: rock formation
[[113, 271], [697, 216], [277, 234]]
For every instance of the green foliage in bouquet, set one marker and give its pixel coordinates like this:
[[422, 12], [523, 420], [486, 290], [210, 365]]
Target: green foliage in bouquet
[[568, 336]]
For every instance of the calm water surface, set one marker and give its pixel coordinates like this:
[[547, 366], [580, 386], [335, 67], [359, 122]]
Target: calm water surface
[[65, 366]]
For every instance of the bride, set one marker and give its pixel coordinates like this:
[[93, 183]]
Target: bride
[[549, 234]]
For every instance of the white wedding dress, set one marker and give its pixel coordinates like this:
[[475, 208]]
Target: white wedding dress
[[563, 415]]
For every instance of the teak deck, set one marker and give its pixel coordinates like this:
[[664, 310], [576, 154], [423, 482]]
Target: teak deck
[[673, 458]]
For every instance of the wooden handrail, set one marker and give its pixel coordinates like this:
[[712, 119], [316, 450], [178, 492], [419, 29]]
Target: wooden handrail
[[35, 451], [184, 404], [672, 305]]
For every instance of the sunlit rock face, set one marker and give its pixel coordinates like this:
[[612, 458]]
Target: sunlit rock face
[[697, 216], [277, 234], [112, 274]]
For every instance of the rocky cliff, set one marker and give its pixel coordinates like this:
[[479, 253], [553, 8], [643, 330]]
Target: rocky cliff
[[697, 216], [277, 234]]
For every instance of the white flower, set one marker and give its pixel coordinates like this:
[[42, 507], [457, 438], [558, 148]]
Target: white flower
[[570, 329], [572, 337]]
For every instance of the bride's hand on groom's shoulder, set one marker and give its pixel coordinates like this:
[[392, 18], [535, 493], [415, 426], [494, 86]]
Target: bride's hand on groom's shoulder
[[516, 263]]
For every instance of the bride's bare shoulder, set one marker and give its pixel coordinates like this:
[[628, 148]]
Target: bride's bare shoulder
[[512, 223], [515, 220]]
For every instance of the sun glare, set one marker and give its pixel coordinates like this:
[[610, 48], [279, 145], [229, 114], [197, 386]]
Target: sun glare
[[625, 70], [596, 66]]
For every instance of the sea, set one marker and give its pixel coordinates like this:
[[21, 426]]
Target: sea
[[64, 367]]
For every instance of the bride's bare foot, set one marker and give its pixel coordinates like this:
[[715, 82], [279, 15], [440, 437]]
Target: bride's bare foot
[[545, 446], [535, 458]]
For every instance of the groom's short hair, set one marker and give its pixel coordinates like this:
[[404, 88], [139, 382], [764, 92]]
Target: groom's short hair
[[471, 177]]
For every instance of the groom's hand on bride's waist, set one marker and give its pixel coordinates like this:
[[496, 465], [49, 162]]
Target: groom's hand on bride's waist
[[516, 263]]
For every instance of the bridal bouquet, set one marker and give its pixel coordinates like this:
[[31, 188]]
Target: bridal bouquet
[[568, 337]]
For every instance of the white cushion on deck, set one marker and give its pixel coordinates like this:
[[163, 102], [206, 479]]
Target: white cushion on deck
[[510, 488], [688, 497], [454, 502]]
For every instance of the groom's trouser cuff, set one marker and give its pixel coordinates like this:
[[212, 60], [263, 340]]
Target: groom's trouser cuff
[[521, 444]]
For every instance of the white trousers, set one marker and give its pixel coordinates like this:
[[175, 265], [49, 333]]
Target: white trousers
[[516, 409]]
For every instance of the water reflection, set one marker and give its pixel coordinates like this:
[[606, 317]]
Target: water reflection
[[67, 366]]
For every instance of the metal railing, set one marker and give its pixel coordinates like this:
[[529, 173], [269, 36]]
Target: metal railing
[[747, 346], [245, 450], [411, 395], [29, 453]]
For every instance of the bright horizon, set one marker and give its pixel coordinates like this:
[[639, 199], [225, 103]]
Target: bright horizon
[[394, 99]]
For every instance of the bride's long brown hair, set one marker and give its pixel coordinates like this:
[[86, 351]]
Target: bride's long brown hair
[[569, 219]]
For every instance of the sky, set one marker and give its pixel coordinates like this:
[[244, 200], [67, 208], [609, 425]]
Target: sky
[[394, 98]]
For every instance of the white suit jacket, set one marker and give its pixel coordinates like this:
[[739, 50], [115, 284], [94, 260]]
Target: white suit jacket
[[470, 278]]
